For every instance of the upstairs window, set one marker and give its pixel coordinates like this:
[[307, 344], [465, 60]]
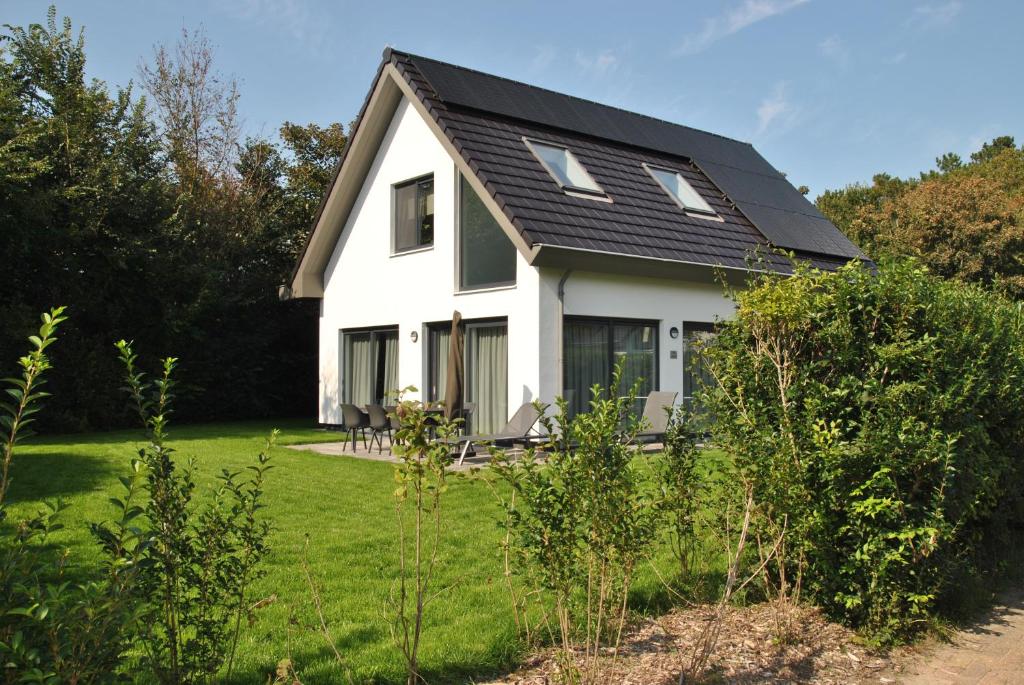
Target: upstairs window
[[564, 168], [414, 214], [487, 258], [680, 190]]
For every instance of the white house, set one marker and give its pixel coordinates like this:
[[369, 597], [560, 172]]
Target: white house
[[567, 233]]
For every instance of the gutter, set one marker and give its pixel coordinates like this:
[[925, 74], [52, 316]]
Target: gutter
[[560, 353]]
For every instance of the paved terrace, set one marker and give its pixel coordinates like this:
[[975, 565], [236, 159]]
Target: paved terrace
[[473, 459]]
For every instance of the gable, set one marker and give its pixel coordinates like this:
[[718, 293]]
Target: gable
[[372, 124]]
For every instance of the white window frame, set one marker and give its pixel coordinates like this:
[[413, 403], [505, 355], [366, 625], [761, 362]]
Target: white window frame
[[703, 212], [596, 192]]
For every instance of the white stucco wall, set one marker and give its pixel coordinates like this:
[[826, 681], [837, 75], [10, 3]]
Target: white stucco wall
[[365, 285], [669, 302]]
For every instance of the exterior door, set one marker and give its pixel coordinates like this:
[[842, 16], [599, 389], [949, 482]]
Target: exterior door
[[487, 376]]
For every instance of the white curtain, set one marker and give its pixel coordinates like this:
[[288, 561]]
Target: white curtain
[[487, 361], [358, 368], [390, 395], [440, 342]]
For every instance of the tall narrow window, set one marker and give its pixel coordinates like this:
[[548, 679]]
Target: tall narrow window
[[487, 376], [371, 366], [564, 167], [593, 347], [487, 258], [680, 190], [414, 214]]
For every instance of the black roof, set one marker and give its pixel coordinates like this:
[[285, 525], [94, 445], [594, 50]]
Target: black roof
[[486, 118]]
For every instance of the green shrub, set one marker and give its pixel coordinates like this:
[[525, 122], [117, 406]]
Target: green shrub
[[52, 630], [579, 520], [680, 481], [193, 565], [880, 418], [423, 448]]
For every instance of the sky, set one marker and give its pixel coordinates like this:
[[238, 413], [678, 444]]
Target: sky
[[829, 91]]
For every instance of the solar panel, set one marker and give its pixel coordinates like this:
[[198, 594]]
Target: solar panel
[[784, 216]]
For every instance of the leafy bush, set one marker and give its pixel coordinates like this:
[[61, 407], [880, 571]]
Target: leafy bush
[[680, 481], [879, 419], [52, 630], [578, 522], [423, 448], [193, 565]]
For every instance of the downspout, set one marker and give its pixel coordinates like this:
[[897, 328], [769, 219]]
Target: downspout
[[561, 333]]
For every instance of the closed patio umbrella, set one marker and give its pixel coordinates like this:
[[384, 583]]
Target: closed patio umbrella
[[454, 383]]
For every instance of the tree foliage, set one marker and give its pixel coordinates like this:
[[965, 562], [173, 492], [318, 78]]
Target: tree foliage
[[153, 220], [964, 220]]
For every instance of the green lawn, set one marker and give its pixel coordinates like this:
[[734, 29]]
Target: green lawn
[[346, 507]]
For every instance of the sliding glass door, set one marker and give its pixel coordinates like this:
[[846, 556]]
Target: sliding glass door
[[695, 374], [371, 366], [593, 347], [487, 375]]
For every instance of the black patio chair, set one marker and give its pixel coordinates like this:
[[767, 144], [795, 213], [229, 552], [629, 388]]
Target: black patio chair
[[355, 420], [379, 424]]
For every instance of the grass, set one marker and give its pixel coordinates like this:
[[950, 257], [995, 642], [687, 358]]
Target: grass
[[346, 507]]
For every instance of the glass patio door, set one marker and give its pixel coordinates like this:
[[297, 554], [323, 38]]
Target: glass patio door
[[695, 375], [592, 349], [487, 376], [371, 366]]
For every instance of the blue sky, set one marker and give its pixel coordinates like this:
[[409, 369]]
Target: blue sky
[[829, 91]]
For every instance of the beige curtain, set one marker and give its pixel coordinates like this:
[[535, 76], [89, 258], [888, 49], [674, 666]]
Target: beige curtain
[[487, 361], [440, 342], [358, 368], [390, 345]]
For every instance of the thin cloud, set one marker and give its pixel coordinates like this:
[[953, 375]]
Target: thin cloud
[[601, 64], [733, 21], [543, 57], [834, 49], [898, 58], [776, 110], [934, 15], [290, 16]]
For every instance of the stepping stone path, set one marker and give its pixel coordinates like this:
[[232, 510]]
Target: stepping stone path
[[990, 652]]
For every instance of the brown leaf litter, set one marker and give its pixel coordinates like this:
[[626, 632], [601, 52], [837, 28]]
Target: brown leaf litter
[[657, 650]]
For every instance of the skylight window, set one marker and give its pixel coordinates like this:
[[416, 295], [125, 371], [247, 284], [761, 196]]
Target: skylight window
[[564, 168], [681, 191]]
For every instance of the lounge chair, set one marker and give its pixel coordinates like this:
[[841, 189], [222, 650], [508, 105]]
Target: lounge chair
[[516, 431], [658, 408]]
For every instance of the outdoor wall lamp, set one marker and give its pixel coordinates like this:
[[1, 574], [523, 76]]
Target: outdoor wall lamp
[[673, 332], [414, 336]]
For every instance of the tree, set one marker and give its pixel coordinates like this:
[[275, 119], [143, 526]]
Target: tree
[[154, 221], [964, 221], [82, 195], [197, 109]]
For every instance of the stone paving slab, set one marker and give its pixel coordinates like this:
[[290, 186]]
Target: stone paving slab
[[991, 652]]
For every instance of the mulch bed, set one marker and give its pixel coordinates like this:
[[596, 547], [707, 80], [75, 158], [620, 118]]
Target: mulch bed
[[656, 652]]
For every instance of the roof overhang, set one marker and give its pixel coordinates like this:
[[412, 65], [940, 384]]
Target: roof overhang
[[648, 267]]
